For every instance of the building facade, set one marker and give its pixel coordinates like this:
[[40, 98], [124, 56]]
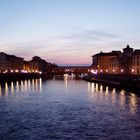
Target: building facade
[[2, 61], [39, 65], [136, 62], [117, 62], [35, 65], [114, 65], [101, 61], [10, 63]]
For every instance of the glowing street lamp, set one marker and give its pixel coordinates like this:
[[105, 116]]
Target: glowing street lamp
[[106, 70], [5, 71], [94, 71], [101, 71], [16, 70], [122, 70], [40, 72], [132, 70]]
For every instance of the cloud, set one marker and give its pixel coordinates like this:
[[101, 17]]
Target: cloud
[[76, 47], [92, 34]]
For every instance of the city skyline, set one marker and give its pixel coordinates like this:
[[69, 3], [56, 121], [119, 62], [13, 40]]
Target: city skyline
[[68, 32]]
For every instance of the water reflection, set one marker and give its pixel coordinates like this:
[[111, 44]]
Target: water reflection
[[95, 110], [101, 88], [40, 84], [91, 87], [25, 86], [21, 86], [12, 87], [17, 86], [66, 81], [133, 103], [122, 98], [29, 85], [97, 92], [105, 94], [0, 91], [6, 89], [113, 95], [33, 84], [106, 91], [96, 87], [114, 90]]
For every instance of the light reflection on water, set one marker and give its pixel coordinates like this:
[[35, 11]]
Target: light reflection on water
[[122, 98], [103, 93], [87, 111], [21, 86], [99, 91], [133, 100]]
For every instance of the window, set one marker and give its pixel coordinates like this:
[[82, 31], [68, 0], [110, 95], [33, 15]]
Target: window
[[137, 62], [138, 71]]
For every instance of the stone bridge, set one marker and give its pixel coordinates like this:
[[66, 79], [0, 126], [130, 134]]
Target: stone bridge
[[72, 69]]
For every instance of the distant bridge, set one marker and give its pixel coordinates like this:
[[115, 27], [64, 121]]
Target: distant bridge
[[72, 69]]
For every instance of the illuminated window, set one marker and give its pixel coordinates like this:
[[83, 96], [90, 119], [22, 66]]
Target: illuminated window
[[101, 70], [132, 70], [122, 70], [106, 70]]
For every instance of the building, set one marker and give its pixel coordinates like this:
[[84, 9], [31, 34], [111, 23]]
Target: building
[[117, 62], [39, 65], [136, 62], [114, 65], [2, 61], [10, 63], [26, 66], [101, 61], [127, 62], [35, 65], [14, 63]]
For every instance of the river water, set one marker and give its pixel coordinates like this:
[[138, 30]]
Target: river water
[[67, 110]]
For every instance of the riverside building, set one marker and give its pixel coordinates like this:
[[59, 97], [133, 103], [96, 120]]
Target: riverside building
[[101, 61], [117, 62], [10, 63]]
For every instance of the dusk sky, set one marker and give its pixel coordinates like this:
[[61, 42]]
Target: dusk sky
[[68, 31]]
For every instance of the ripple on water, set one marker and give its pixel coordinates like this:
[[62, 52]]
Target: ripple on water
[[54, 110]]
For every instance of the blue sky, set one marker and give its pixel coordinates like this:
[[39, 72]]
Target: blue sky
[[68, 31]]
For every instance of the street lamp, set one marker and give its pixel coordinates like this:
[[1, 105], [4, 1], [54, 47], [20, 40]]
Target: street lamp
[[106, 70], [101, 70], [132, 70], [122, 70]]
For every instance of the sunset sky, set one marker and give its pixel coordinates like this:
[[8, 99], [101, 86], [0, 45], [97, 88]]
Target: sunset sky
[[68, 31]]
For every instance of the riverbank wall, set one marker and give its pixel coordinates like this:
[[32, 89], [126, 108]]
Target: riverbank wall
[[8, 77], [131, 82]]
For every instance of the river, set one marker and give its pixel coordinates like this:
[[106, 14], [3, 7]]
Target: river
[[67, 110]]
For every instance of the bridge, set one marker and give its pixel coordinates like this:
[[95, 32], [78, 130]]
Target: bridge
[[72, 69]]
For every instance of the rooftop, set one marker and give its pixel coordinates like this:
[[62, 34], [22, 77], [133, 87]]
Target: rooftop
[[113, 53]]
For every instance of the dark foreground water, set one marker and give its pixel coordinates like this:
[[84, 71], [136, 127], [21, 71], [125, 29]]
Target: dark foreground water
[[67, 110]]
